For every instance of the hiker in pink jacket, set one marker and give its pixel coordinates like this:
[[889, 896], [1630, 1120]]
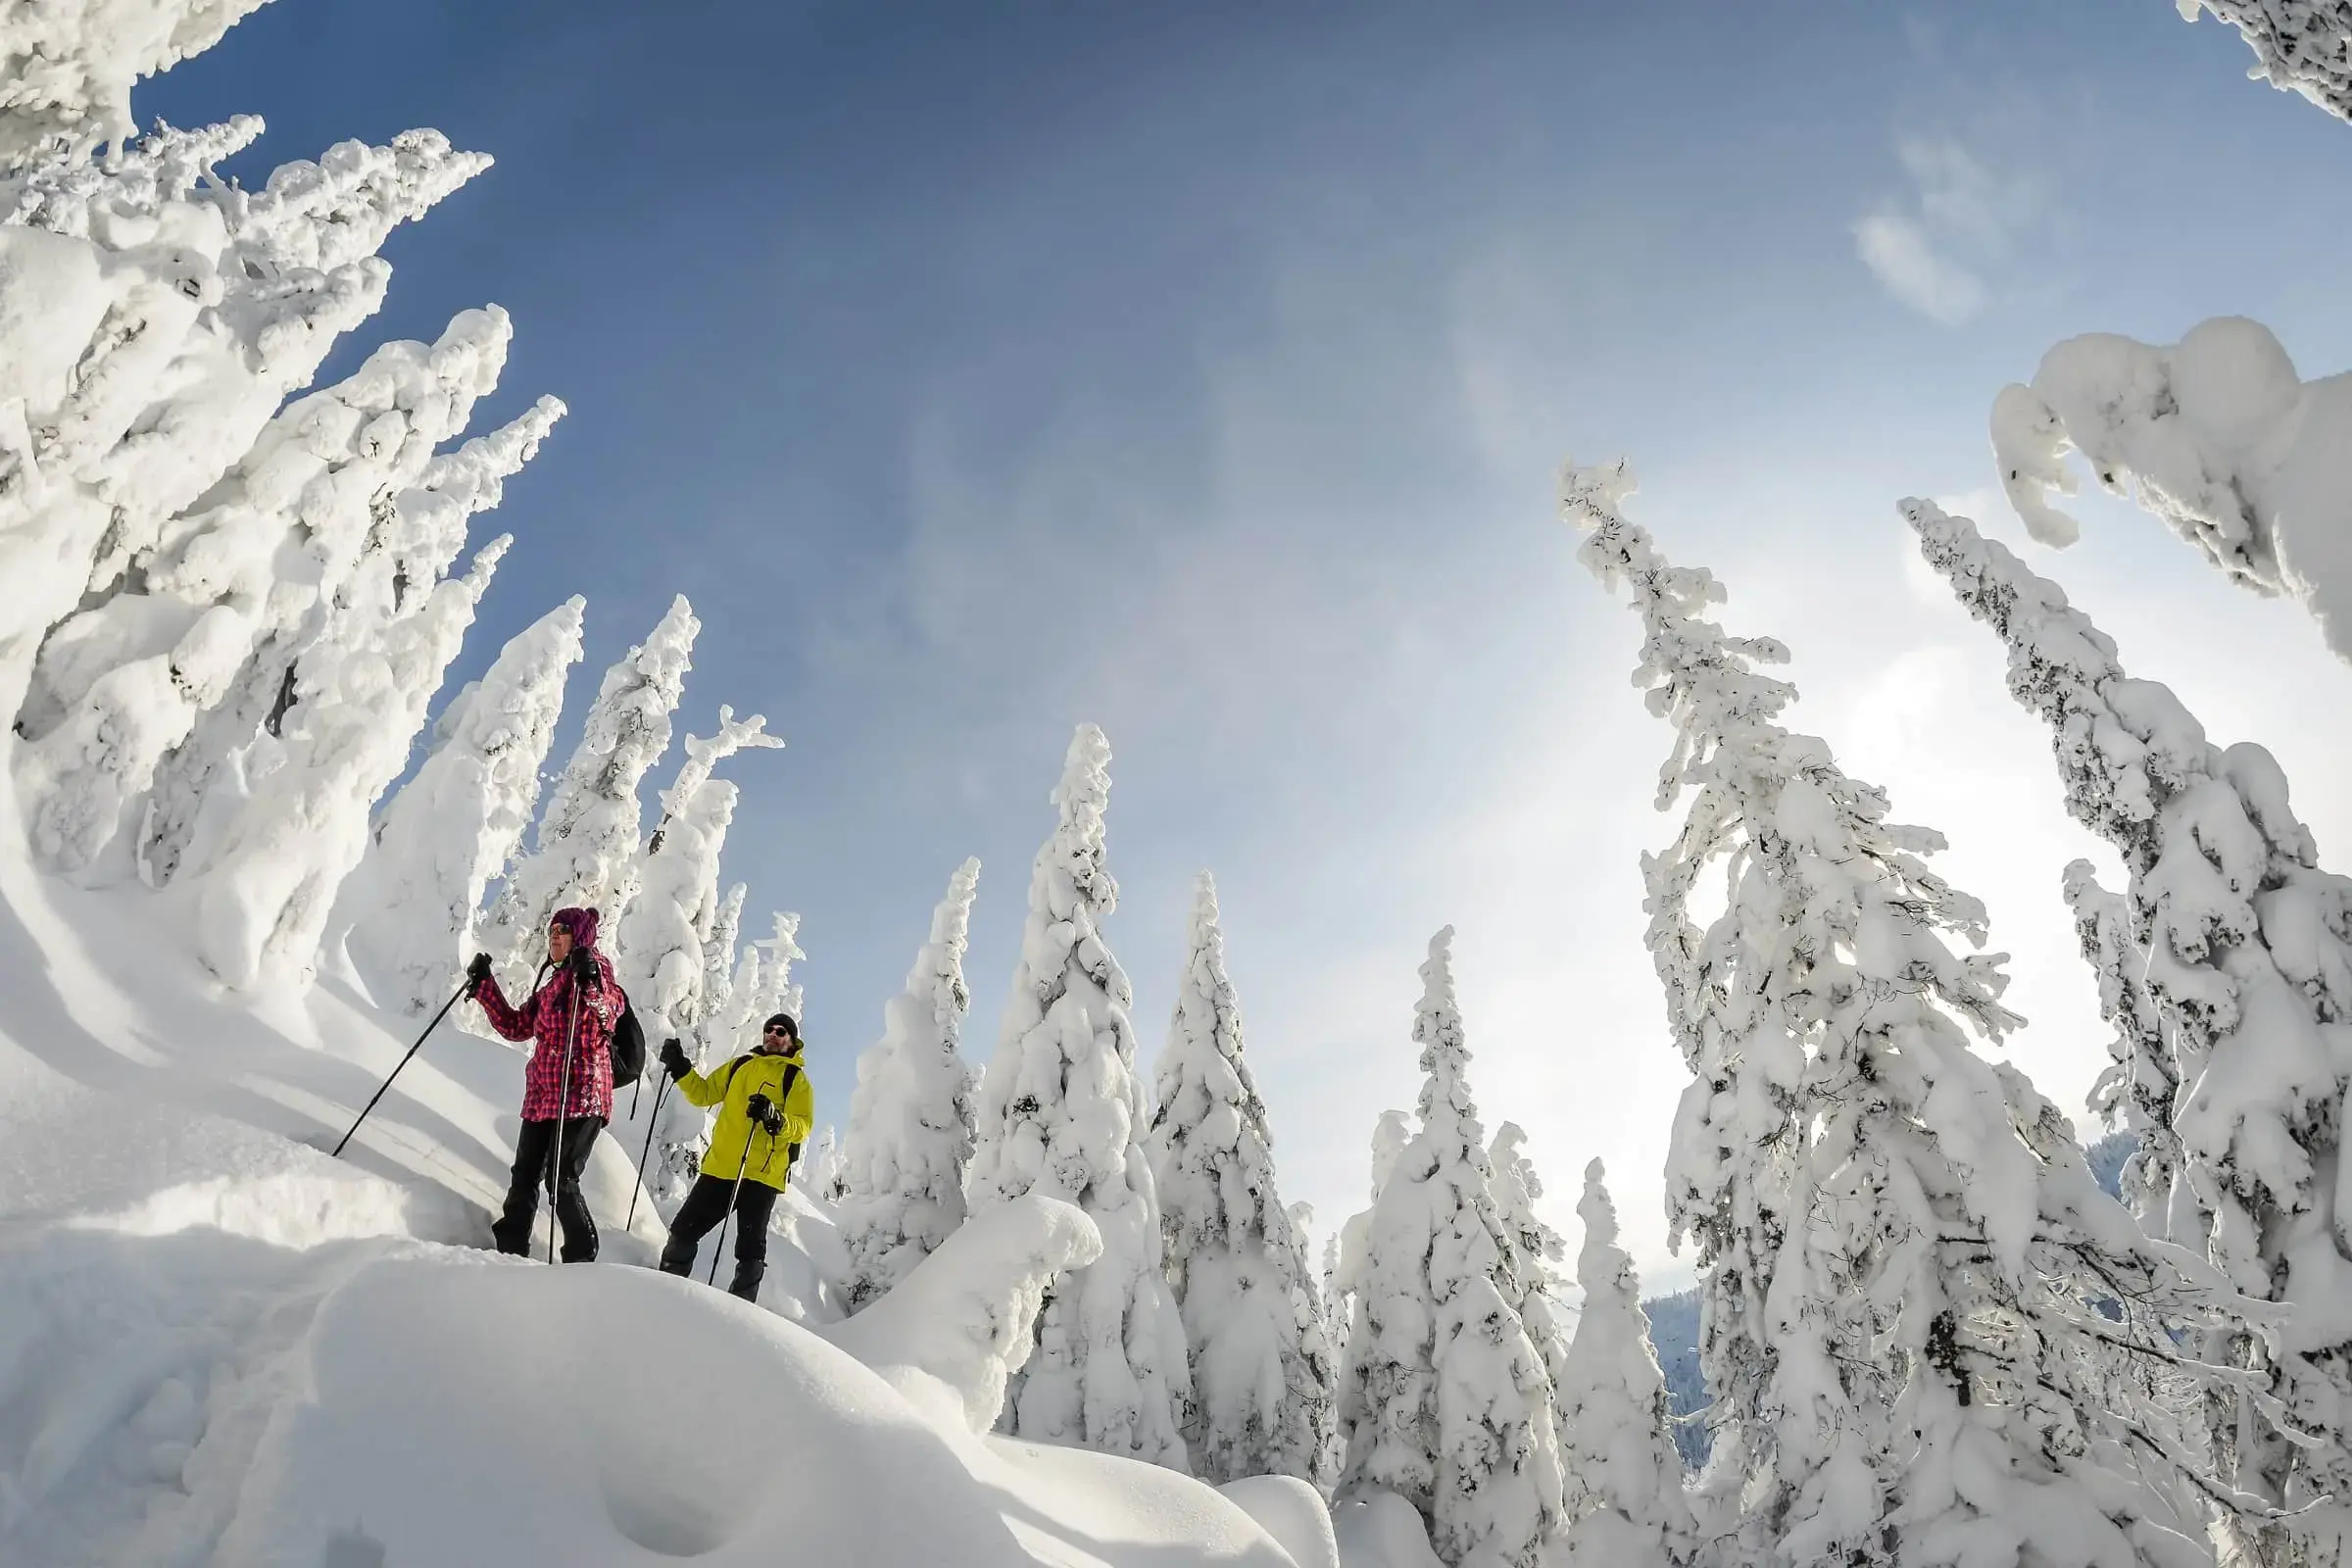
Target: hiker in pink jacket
[[565, 1103]]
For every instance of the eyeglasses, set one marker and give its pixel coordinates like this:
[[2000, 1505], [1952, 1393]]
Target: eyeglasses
[[778, 1031]]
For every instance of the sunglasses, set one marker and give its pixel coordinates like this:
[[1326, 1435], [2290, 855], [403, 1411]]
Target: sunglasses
[[777, 1030]]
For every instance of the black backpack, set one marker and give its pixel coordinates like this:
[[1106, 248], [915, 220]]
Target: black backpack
[[627, 1046]]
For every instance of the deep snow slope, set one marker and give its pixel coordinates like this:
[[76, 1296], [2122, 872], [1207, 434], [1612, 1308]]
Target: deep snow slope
[[220, 1347]]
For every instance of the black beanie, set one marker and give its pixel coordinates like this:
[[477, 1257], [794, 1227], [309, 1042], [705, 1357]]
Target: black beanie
[[791, 1025]]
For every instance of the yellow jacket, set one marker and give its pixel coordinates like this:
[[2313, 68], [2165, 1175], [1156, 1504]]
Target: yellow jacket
[[730, 1086]]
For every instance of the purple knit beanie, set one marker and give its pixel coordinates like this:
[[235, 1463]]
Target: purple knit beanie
[[581, 923]]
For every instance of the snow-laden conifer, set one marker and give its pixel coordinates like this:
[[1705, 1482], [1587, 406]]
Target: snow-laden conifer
[[912, 1120], [660, 959], [586, 848], [263, 899], [1261, 1404], [2249, 969], [1446, 1402], [2141, 1090], [2300, 46], [1536, 1248], [1625, 1477], [1904, 1246], [158, 318], [1061, 1112], [448, 834], [226, 595]]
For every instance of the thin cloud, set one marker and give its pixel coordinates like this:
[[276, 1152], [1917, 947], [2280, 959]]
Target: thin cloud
[[1905, 260]]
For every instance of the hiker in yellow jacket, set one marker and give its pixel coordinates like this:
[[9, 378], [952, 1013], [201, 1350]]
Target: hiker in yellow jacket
[[764, 1110]]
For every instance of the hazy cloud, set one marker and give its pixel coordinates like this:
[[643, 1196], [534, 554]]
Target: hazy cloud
[[1963, 217]]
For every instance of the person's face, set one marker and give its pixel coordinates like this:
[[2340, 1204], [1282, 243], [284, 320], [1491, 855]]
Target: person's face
[[774, 1038], [559, 943]]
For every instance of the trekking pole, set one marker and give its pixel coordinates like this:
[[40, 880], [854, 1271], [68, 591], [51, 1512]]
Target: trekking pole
[[651, 1122], [464, 986], [733, 1195], [554, 1173]]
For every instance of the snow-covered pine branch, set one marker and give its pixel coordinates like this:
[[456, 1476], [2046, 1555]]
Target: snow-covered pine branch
[[1902, 1239], [449, 833], [911, 1123], [586, 848], [1061, 1112], [2251, 972], [204, 622], [1625, 1476], [2141, 1090], [263, 898], [2300, 46], [2216, 436], [1262, 1402], [144, 295], [67, 66], [1447, 1403]]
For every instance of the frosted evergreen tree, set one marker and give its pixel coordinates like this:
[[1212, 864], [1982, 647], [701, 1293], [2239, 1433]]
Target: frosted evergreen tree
[[449, 833], [263, 901], [2141, 1089], [1625, 1477], [1536, 1248], [911, 1123], [177, 313], [1932, 1378], [2300, 46], [1446, 1402], [661, 962], [1061, 1112], [718, 958], [1261, 1404], [2250, 972], [219, 603], [585, 852]]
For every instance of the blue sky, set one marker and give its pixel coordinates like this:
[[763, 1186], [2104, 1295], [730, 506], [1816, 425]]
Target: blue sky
[[1202, 371]]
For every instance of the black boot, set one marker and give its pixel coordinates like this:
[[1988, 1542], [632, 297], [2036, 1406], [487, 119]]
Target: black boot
[[747, 1280]]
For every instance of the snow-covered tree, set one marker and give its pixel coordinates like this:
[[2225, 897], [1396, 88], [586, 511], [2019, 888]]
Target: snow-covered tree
[[1625, 1477], [2141, 1088], [2248, 965], [2215, 435], [1903, 1241], [585, 852], [718, 958], [157, 317], [263, 899], [1446, 1402], [2300, 46], [1261, 1404], [1061, 1112], [215, 610], [448, 834], [911, 1121], [661, 962], [1536, 1248]]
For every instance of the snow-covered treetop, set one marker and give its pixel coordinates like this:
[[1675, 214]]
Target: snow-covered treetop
[[67, 66], [705, 751], [2216, 436], [1210, 1147], [2302, 46]]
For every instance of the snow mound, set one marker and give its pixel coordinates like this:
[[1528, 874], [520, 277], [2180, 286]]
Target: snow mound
[[1291, 1512], [1380, 1530], [951, 1335]]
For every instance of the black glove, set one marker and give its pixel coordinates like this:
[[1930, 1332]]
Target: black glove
[[477, 972], [673, 1059], [583, 965], [764, 1111]]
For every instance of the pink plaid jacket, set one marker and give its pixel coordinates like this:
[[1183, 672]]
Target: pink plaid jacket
[[544, 1018]]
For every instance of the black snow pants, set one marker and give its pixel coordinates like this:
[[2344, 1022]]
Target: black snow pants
[[705, 1209], [534, 1167]]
